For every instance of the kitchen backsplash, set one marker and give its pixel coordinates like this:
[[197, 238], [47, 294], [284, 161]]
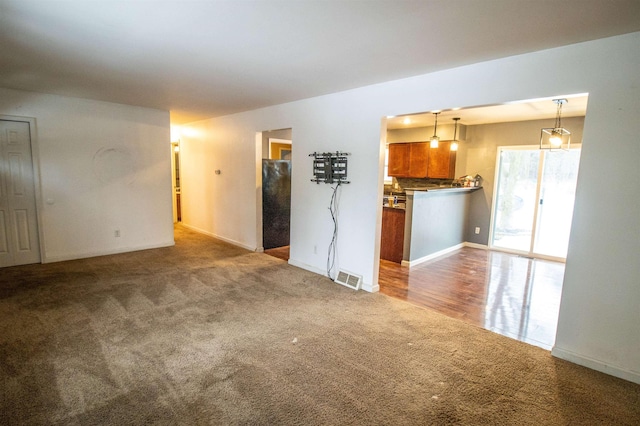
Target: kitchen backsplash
[[400, 183]]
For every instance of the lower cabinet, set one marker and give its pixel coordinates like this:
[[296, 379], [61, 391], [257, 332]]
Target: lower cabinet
[[392, 240]]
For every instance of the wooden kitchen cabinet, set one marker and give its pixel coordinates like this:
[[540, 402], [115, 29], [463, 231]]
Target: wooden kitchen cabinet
[[419, 160], [392, 240], [399, 154], [408, 159], [442, 161]]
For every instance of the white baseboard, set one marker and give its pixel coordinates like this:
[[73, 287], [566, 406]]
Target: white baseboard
[[443, 252], [306, 267], [476, 245], [363, 286], [632, 376], [432, 255], [218, 237], [370, 288], [85, 255]]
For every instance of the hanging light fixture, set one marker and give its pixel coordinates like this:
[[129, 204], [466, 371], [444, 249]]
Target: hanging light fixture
[[435, 140], [454, 143], [557, 137]]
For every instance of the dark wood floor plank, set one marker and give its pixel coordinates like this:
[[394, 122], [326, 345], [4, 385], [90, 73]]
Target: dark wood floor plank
[[279, 252], [509, 294]]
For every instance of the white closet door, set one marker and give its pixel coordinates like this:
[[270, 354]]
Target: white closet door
[[19, 242]]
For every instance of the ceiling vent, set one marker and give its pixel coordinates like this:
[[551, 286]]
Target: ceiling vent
[[348, 279]]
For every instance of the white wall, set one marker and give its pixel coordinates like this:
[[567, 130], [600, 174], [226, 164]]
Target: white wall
[[600, 310], [84, 198]]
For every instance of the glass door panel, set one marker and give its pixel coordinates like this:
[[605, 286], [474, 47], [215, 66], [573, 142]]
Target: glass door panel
[[555, 209], [534, 201], [516, 199]]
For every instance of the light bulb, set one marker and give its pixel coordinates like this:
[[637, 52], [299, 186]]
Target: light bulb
[[454, 146], [434, 142], [555, 139]]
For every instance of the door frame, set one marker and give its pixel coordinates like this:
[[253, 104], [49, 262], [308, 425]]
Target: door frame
[[530, 252], [175, 191], [37, 182], [258, 175]]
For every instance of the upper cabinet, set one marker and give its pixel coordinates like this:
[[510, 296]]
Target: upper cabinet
[[419, 160], [399, 156], [442, 161], [409, 159]]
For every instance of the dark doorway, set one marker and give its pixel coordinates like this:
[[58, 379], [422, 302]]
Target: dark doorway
[[276, 203]]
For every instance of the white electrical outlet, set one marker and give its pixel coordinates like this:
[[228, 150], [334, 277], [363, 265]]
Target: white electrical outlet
[[477, 229], [116, 233]]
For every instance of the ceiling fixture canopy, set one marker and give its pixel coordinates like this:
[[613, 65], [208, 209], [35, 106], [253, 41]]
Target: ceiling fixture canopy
[[435, 140], [557, 137], [454, 143]]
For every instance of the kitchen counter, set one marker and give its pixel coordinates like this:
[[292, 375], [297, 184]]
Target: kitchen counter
[[435, 221], [400, 200], [412, 191]]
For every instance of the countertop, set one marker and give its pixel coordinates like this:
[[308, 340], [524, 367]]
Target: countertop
[[401, 197], [412, 191], [398, 206]]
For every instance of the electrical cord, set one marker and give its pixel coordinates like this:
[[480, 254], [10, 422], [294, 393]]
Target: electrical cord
[[331, 254]]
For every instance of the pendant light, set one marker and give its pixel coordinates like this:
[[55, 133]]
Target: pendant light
[[435, 139], [454, 143], [557, 137]]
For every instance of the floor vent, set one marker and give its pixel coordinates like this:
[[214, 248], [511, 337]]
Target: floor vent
[[348, 279]]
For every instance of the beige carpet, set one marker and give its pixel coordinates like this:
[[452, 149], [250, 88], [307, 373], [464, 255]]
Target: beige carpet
[[207, 333]]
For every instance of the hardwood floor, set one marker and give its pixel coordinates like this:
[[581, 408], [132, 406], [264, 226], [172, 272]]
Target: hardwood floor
[[512, 295], [279, 252]]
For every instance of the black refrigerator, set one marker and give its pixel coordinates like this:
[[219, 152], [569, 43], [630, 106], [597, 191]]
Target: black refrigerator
[[276, 203]]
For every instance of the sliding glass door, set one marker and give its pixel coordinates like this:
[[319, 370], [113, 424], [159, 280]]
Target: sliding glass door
[[515, 199], [555, 206], [533, 204]]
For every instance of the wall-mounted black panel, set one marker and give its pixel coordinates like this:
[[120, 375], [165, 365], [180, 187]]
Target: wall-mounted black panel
[[329, 167]]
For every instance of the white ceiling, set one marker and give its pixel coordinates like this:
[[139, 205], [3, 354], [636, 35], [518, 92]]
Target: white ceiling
[[202, 59], [531, 109]]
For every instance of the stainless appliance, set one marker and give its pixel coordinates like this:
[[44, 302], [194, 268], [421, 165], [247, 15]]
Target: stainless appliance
[[276, 203]]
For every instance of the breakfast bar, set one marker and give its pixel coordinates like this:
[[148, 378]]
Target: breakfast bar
[[435, 220]]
